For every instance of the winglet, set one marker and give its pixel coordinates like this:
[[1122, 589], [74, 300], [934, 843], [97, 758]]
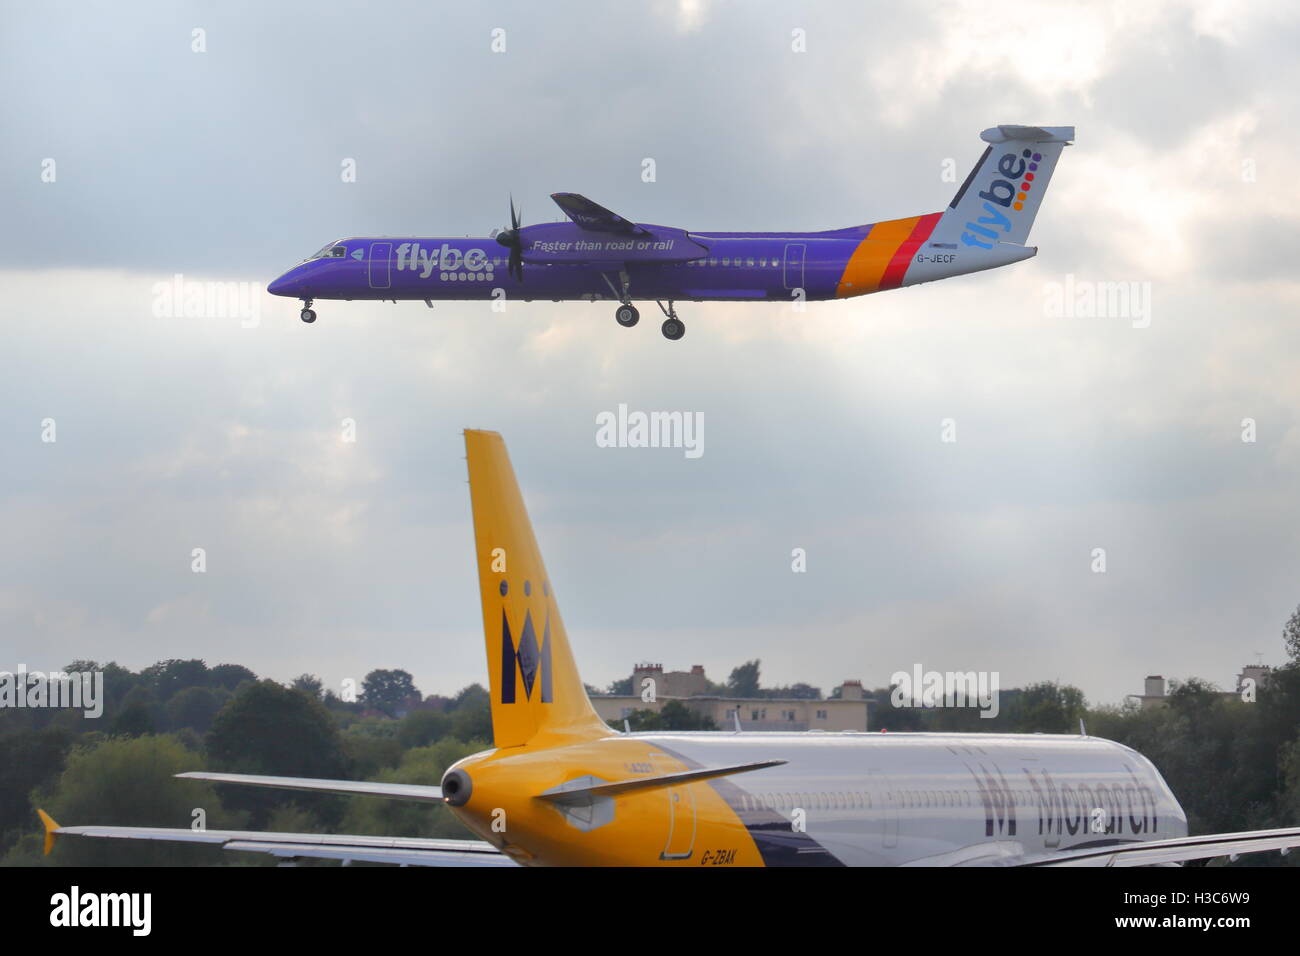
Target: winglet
[[51, 828]]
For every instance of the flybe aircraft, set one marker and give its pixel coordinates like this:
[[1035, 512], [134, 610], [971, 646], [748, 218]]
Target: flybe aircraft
[[599, 255], [560, 787]]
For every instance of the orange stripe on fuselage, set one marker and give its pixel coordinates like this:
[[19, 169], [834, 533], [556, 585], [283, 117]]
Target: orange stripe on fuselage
[[874, 264], [897, 269]]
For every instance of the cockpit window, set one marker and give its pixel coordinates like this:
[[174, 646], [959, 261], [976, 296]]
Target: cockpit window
[[332, 251]]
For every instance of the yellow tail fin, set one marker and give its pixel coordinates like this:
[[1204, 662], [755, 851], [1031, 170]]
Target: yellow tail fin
[[537, 696]]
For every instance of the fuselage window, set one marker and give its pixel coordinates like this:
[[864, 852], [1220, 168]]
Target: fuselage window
[[749, 262]]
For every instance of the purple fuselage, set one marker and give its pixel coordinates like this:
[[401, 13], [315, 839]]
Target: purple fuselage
[[564, 262]]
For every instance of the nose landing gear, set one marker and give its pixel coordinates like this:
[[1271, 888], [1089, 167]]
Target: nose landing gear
[[307, 315]]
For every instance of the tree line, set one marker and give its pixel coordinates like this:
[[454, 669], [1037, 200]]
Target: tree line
[[1233, 763]]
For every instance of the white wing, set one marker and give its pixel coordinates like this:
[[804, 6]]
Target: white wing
[[1155, 852]]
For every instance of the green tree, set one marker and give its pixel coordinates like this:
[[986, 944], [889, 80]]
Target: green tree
[[673, 715], [423, 765], [29, 759], [1046, 707], [118, 682], [1291, 635], [388, 690], [267, 728], [132, 782], [471, 715], [169, 676], [368, 754], [230, 676], [743, 681], [137, 714], [420, 728], [194, 707], [310, 685]]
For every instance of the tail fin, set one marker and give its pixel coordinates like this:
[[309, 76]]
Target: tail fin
[[1000, 197], [536, 691]]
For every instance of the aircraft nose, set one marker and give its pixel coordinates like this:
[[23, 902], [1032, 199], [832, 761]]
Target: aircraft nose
[[287, 284]]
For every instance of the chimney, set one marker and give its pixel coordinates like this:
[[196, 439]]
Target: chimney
[[852, 690]]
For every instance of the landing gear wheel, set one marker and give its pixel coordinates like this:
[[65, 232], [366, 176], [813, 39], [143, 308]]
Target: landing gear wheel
[[309, 316], [627, 316], [673, 329]]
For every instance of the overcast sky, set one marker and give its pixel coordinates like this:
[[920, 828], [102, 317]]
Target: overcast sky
[[822, 429]]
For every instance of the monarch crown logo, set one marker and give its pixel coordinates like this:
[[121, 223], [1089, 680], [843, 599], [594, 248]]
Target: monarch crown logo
[[525, 659]]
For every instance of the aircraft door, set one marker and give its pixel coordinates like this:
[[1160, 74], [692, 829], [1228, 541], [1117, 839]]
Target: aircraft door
[[680, 843], [794, 253], [380, 256], [681, 827]]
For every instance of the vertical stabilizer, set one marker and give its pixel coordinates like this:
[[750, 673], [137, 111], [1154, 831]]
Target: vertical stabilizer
[[536, 690], [1000, 198]]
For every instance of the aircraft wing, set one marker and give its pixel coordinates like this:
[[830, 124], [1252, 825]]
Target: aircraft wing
[[595, 217], [403, 851], [1154, 852], [393, 791]]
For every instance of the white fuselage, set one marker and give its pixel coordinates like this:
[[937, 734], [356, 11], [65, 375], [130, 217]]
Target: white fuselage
[[882, 799]]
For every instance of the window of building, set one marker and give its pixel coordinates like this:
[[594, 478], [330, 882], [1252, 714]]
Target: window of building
[[821, 715]]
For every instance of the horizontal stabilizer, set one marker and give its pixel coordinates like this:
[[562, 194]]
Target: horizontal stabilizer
[[558, 795], [362, 788], [1028, 134]]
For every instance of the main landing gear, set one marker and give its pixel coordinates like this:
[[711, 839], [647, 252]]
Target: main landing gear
[[627, 315], [673, 327], [307, 315]]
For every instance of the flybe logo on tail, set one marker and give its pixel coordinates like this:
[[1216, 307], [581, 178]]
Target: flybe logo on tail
[[1009, 192], [525, 660]]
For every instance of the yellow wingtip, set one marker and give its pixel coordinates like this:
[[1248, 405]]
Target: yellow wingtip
[[51, 828]]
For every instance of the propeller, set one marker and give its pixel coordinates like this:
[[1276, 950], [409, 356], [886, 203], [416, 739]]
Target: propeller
[[510, 239]]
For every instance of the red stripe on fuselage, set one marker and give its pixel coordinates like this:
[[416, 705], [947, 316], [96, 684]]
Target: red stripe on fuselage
[[897, 268]]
